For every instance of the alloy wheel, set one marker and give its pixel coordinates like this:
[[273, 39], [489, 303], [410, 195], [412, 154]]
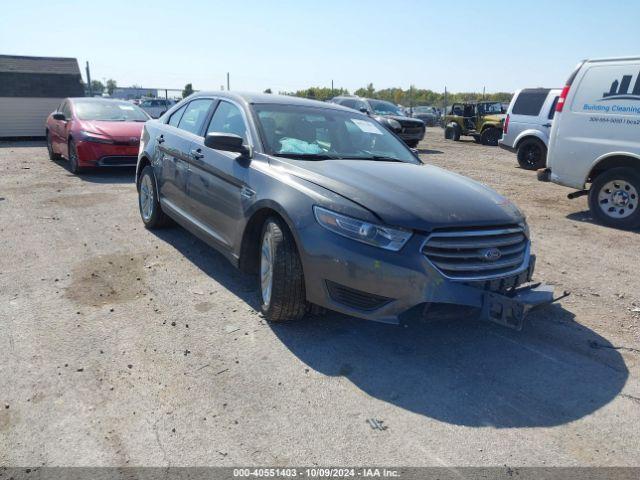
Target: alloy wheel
[[266, 267], [146, 198]]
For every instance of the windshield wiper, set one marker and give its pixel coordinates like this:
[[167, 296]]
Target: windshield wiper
[[307, 156], [382, 158]]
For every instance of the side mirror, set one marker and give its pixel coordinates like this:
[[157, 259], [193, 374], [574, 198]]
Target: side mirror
[[364, 110], [59, 116], [227, 142]]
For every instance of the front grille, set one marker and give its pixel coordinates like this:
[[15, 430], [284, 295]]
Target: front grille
[[412, 131], [478, 253], [353, 298], [118, 161]]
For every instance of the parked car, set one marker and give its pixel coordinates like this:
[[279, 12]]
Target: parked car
[[156, 107], [95, 132], [410, 130], [329, 208], [482, 121], [594, 145], [528, 124], [428, 115]]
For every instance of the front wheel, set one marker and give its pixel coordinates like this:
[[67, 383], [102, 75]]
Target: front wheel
[[74, 166], [614, 196], [532, 154], [148, 201], [52, 155], [490, 136], [413, 143], [282, 292]]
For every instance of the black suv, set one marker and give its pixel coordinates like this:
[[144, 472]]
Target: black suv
[[411, 130]]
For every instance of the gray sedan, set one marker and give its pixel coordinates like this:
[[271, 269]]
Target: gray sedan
[[328, 208]]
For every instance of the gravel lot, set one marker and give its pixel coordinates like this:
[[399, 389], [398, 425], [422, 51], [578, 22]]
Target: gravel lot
[[120, 346]]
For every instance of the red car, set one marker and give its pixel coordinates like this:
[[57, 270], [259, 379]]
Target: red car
[[95, 132]]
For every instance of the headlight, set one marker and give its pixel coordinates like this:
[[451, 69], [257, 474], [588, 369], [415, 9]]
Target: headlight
[[525, 228], [394, 124], [94, 137], [377, 235]]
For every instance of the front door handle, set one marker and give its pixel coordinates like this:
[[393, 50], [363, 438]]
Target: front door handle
[[160, 139], [197, 154], [548, 125]]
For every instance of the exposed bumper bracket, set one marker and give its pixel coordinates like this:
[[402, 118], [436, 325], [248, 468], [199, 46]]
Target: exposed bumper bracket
[[511, 310]]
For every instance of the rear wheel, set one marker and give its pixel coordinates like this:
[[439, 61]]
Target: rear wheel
[[52, 155], [532, 154], [452, 133], [490, 136], [282, 292], [150, 209], [74, 167], [614, 197]]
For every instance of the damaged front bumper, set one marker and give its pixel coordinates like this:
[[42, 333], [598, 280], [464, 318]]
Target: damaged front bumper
[[387, 286]]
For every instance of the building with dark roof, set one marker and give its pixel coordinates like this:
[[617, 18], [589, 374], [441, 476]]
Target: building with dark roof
[[31, 88]]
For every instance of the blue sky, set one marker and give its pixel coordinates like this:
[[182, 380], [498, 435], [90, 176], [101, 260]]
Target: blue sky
[[287, 45]]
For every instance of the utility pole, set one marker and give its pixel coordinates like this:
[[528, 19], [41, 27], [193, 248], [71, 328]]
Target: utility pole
[[444, 110], [89, 81], [228, 81], [483, 93], [332, 88]]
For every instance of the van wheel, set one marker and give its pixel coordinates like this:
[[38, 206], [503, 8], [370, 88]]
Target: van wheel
[[614, 198], [490, 136], [281, 287], [532, 154]]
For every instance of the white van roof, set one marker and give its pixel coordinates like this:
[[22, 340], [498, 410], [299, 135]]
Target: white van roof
[[610, 59]]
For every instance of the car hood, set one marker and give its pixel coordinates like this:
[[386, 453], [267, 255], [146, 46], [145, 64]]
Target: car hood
[[403, 120], [419, 197], [120, 131]]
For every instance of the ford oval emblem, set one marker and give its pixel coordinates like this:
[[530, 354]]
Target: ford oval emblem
[[492, 254]]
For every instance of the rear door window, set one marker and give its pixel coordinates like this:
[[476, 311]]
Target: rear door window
[[174, 119], [530, 102], [195, 115]]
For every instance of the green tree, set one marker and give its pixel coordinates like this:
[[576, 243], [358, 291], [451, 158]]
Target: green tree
[[111, 86], [268, 90], [188, 90], [97, 87]]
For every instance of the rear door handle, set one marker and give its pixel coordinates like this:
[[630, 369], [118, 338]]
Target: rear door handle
[[197, 154], [160, 139], [548, 125]]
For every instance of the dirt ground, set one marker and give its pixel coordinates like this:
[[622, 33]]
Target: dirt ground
[[120, 346]]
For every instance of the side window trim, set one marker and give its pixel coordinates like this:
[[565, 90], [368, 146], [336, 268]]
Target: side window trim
[[169, 117]]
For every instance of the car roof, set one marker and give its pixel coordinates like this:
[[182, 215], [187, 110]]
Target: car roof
[[97, 100], [269, 98]]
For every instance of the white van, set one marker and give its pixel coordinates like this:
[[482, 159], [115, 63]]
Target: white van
[[528, 125], [595, 139]]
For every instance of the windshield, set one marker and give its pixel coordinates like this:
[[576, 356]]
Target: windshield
[[385, 108], [109, 111], [423, 109], [317, 133]]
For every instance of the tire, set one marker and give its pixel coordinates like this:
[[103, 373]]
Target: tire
[[412, 143], [73, 159], [490, 136], [52, 154], [281, 290], [532, 154], [614, 198], [452, 133], [148, 203]]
